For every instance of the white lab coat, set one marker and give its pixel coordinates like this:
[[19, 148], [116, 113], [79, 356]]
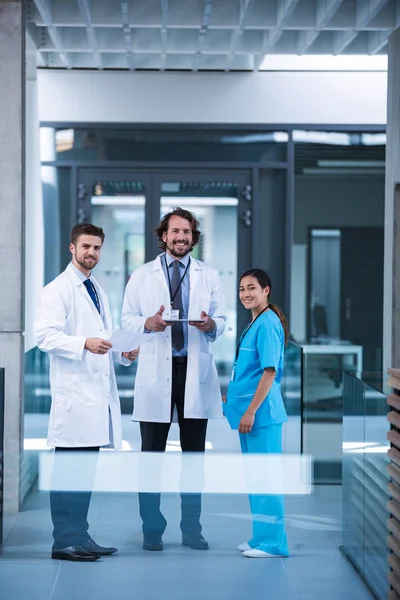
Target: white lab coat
[[83, 388], [145, 292]]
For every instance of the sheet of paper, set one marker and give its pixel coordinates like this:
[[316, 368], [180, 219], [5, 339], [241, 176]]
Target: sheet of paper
[[126, 341]]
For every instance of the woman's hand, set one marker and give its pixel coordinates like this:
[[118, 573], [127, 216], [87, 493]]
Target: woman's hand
[[131, 355], [224, 398], [246, 422]]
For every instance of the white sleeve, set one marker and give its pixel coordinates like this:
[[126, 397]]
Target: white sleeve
[[49, 326], [131, 317]]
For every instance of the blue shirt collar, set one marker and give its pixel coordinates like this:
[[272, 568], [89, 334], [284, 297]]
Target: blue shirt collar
[[170, 259], [79, 273]]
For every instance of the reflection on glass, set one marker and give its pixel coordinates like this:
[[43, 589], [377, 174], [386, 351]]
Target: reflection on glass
[[292, 389], [169, 145], [119, 207], [365, 479], [323, 370], [325, 267], [215, 206]]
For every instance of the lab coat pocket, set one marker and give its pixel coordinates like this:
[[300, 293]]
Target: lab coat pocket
[[62, 399], [147, 369], [86, 391], [205, 366]]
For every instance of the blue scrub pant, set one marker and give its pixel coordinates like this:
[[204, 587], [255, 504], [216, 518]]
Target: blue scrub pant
[[268, 510]]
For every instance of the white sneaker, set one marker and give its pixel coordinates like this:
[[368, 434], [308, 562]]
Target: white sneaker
[[243, 547], [255, 553]]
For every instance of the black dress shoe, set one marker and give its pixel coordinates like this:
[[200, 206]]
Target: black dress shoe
[[197, 542], [93, 548], [74, 553], [153, 544]]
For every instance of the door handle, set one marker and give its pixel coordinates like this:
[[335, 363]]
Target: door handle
[[347, 309], [246, 218], [246, 192]]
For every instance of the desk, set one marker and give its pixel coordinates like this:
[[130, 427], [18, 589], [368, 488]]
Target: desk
[[341, 349]]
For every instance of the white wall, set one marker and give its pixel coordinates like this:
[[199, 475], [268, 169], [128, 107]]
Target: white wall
[[257, 98]]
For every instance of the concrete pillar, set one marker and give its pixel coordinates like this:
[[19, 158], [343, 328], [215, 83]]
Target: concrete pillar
[[12, 75], [34, 228], [391, 309]]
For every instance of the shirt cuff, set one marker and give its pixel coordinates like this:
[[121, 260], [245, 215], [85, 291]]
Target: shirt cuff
[[212, 334]]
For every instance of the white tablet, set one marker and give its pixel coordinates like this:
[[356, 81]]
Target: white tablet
[[184, 320]]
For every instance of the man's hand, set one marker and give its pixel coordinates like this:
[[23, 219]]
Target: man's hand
[[97, 345], [132, 355], [246, 423], [207, 325], [156, 322]]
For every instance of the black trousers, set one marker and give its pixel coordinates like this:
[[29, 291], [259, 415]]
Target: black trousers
[[69, 509], [154, 439]]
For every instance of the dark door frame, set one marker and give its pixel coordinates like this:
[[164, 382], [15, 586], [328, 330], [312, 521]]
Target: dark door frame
[[152, 180]]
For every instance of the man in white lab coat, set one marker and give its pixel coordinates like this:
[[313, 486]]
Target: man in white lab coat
[[72, 324], [176, 372]]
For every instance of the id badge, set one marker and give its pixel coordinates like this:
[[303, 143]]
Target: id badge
[[174, 315]]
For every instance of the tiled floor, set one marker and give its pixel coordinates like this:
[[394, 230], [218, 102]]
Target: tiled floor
[[315, 570]]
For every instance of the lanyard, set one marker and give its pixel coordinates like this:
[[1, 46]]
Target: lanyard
[[169, 280], [245, 332]]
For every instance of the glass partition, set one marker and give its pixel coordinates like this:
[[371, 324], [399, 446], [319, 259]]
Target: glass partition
[[36, 417], [216, 208], [292, 392], [171, 145], [323, 369], [365, 478], [339, 199]]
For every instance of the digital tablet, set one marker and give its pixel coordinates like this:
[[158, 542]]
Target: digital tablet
[[184, 320]]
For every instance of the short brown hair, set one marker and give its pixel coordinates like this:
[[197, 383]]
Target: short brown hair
[[86, 229], [163, 225]]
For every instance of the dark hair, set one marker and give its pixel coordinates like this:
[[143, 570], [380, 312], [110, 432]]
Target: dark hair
[[265, 281], [86, 229], [163, 225]]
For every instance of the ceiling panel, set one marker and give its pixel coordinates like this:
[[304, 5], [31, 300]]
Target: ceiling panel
[[203, 34]]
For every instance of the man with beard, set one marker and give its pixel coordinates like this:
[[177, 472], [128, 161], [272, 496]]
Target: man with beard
[[179, 298], [72, 324]]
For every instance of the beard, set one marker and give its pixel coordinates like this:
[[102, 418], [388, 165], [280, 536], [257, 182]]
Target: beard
[[86, 264], [178, 252]]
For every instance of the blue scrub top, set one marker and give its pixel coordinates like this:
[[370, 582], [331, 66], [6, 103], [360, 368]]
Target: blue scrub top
[[262, 347]]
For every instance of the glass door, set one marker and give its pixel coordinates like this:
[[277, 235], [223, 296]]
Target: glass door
[[116, 201], [221, 201], [128, 204]]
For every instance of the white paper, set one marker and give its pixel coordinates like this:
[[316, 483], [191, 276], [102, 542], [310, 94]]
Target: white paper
[[126, 341]]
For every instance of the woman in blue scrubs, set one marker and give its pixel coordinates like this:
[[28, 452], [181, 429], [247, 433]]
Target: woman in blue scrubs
[[254, 404]]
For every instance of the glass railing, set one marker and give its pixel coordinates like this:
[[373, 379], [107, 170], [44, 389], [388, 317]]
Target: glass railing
[[292, 392], [323, 369], [37, 408], [365, 479]]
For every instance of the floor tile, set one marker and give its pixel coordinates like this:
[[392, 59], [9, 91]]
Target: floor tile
[[9, 521], [31, 579], [340, 588], [181, 573]]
